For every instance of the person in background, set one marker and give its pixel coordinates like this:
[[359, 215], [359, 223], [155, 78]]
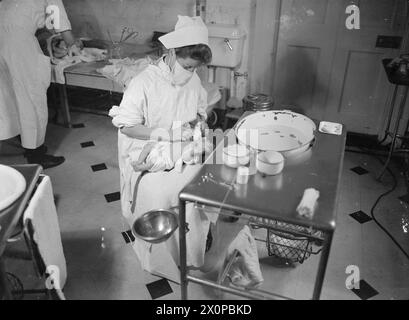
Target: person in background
[[27, 72]]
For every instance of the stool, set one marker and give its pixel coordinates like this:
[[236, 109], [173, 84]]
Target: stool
[[232, 114], [397, 81]]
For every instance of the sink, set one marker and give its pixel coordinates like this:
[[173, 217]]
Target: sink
[[12, 186]]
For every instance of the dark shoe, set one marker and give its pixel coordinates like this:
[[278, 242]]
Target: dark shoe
[[45, 160], [36, 152]]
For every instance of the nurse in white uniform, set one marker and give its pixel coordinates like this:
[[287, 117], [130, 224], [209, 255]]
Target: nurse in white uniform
[[25, 73], [166, 95]]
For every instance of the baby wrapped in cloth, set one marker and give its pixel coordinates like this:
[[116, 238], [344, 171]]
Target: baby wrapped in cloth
[[161, 156]]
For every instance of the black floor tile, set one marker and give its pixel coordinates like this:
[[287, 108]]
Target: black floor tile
[[159, 288], [111, 197], [361, 217], [87, 144], [130, 235], [126, 238], [360, 171], [365, 290], [78, 125], [99, 167]]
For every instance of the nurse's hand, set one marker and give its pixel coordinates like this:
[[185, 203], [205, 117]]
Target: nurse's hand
[[140, 164], [180, 134]]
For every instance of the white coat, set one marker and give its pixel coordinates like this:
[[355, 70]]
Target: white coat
[[153, 101], [25, 112]]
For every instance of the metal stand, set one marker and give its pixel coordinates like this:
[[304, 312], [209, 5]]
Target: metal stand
[[64, 106], [394, 134], [249, 294]]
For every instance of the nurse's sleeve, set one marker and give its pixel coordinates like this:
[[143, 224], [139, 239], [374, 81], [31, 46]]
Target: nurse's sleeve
[[202, 105], [64, 22], [132, 109]]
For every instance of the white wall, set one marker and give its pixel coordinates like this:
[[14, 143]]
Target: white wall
[[92, 18]]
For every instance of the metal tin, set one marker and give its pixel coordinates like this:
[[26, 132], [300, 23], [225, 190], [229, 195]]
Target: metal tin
[[258, 102]]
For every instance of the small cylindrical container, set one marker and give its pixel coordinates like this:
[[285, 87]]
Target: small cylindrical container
[[236, 155], [243, 174], [270, 162]]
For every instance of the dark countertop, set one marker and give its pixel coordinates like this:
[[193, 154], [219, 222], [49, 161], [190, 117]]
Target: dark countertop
[[10, 216], [277, 197]]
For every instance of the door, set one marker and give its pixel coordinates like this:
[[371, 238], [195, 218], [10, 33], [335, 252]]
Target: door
[[329, 72], [359, 92]]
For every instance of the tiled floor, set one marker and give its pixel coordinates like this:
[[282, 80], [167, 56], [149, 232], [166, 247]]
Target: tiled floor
[[102, 264]]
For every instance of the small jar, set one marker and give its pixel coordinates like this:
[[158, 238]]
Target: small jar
[[243, 174], [115, 51]]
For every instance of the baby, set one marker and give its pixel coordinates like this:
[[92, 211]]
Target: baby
[[160, 156]]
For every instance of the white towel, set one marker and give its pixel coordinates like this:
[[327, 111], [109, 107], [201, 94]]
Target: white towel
[[308, 203], [245, 271], [60, 65], [42, 213]]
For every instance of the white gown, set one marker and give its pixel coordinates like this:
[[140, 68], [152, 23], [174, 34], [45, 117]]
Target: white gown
[[151, 100], [25, 112]]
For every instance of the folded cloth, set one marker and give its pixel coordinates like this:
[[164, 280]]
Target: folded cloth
[[124, 70], [61, 64], [42, 214], [93, 54], [308, 203], [245, 271]]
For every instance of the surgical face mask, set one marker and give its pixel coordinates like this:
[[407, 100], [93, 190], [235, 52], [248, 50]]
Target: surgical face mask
[[180, 76]]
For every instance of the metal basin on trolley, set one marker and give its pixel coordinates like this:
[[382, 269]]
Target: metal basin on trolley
[[282, 131], [155, 226]]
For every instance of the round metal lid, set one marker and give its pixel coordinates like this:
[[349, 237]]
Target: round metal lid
[[258, 101]]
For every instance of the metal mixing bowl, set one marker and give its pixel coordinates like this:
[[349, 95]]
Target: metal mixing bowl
[[155, 226]]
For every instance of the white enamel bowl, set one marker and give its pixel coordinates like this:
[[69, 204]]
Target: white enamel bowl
[[283, 131], [12, 186]]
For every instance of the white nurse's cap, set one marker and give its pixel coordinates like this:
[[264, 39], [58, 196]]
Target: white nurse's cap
[[188, 31]]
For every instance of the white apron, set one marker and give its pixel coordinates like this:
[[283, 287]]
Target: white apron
[[151, 100], [29, 68], [160, 190]]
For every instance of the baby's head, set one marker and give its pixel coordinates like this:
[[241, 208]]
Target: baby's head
[[196, 149]]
